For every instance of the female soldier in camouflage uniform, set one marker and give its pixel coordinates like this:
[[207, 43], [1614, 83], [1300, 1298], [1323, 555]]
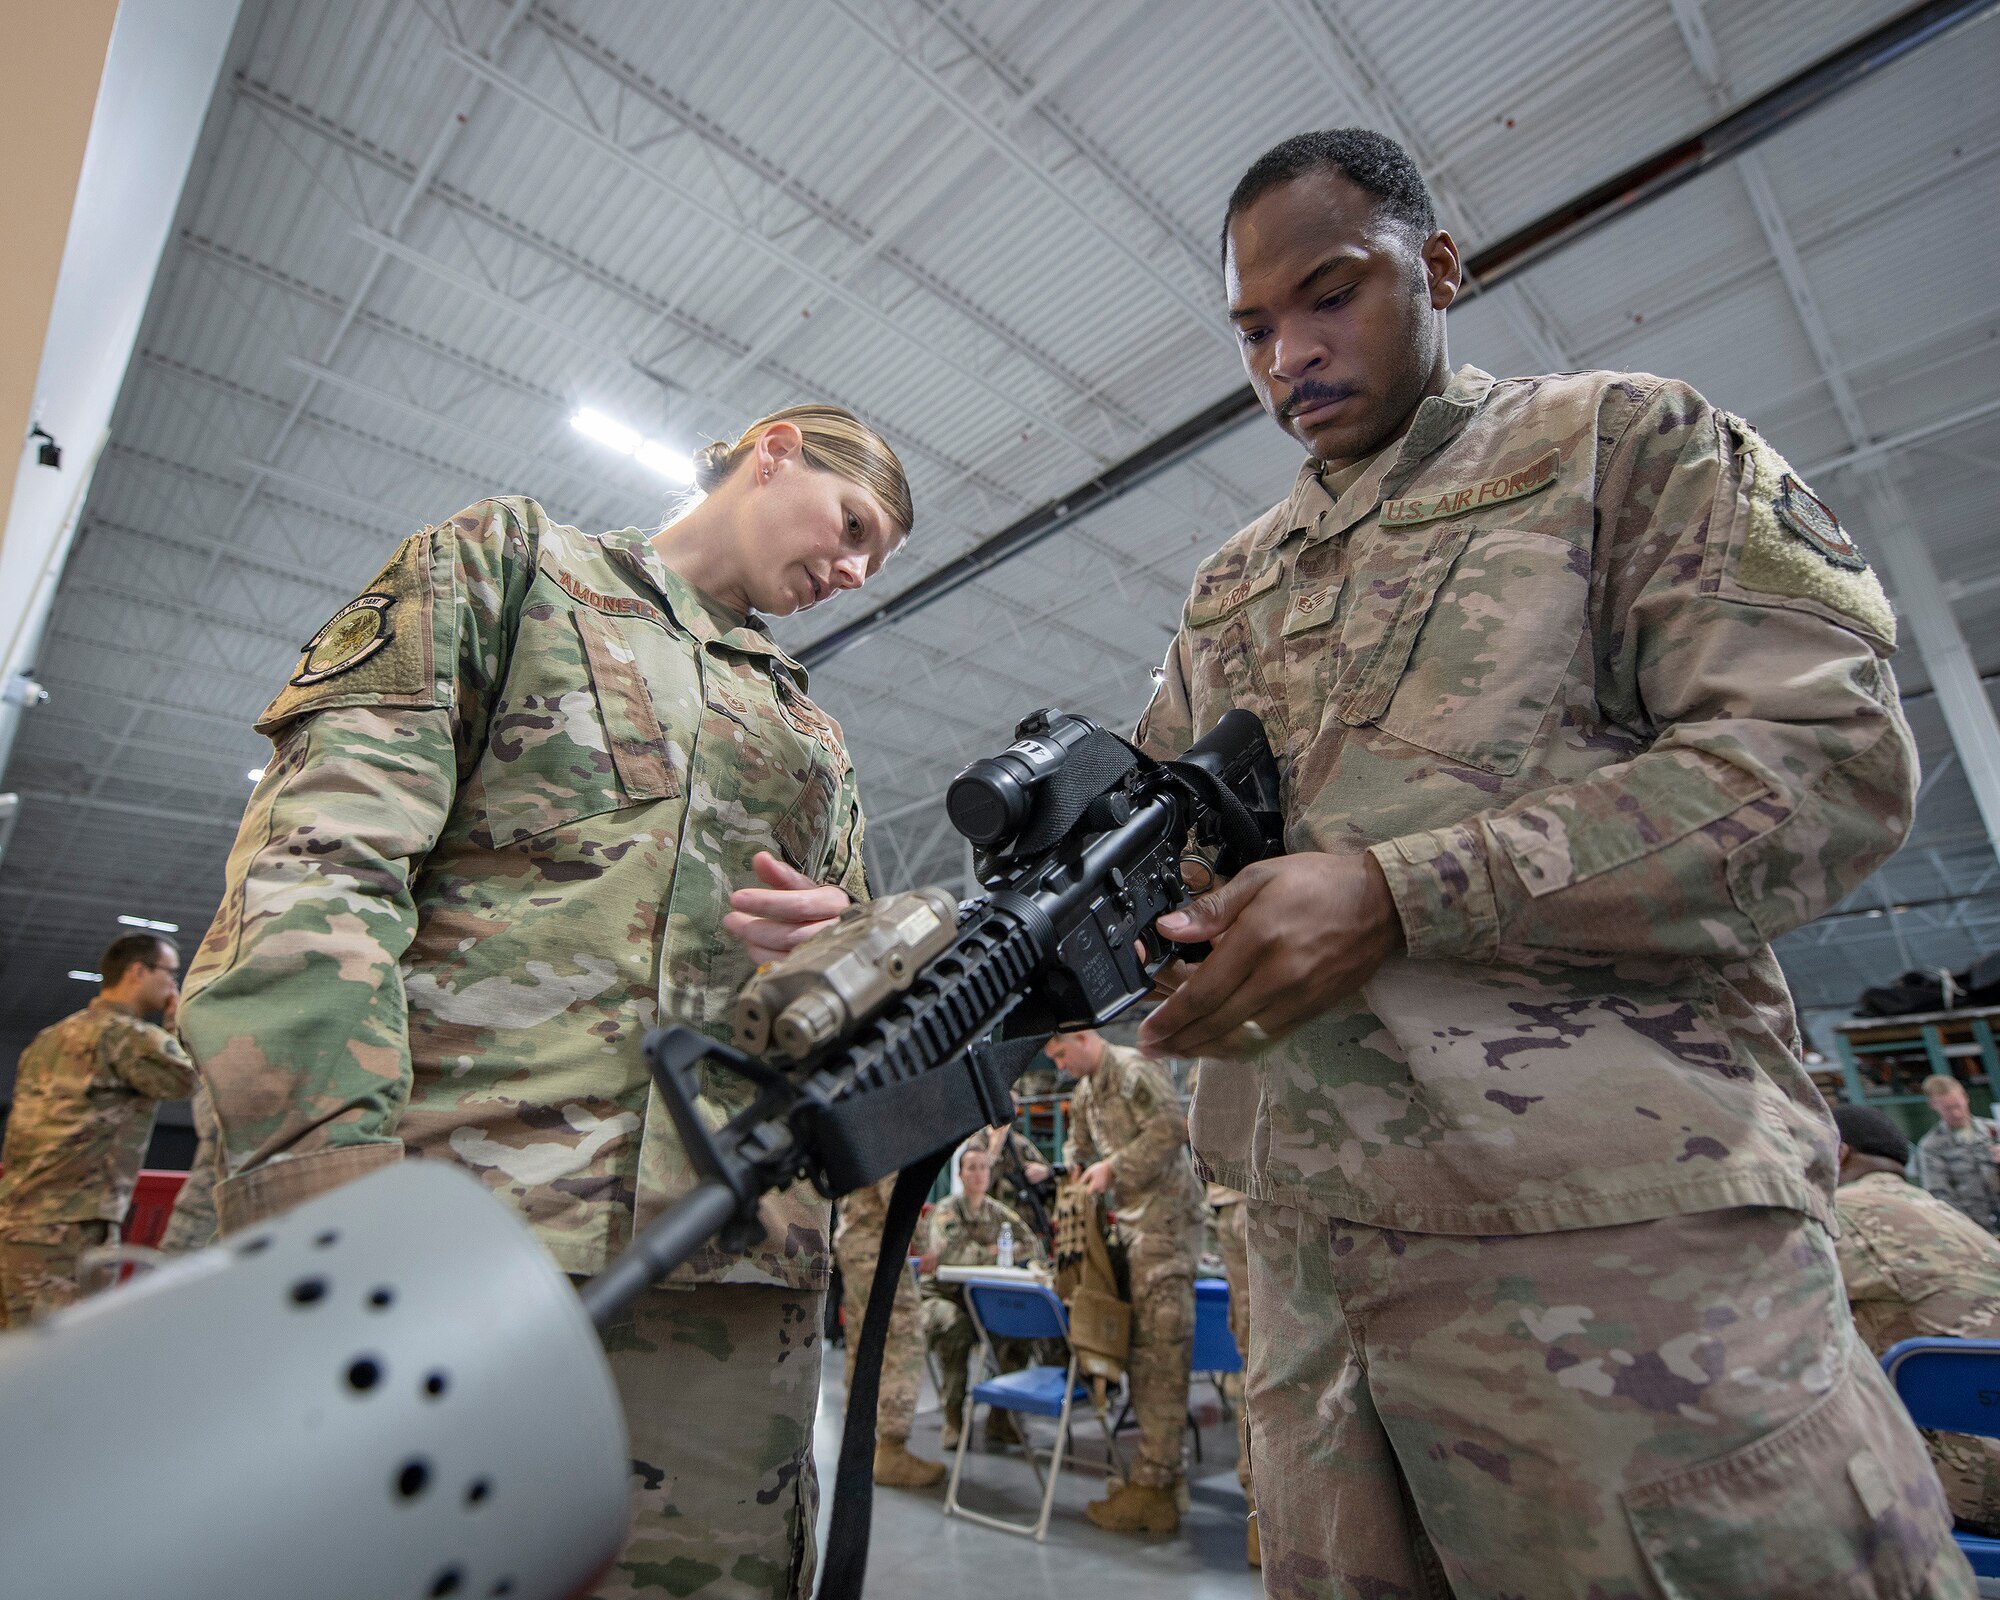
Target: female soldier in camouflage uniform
[[513, 785]]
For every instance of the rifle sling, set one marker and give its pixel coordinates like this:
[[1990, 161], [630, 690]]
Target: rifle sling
[[854, 1481], [990, 1071]]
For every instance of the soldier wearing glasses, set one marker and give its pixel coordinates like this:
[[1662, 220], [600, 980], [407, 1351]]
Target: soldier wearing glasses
[[84, 1098]]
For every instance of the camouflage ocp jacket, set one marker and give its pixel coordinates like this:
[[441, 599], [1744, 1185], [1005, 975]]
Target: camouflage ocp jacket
[[512, 786], [1603, 688]]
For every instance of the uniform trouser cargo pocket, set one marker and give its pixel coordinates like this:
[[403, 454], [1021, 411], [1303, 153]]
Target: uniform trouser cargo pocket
[[1839, 1502]]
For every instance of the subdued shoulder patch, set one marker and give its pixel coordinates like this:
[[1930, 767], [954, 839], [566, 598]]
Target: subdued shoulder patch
[[1812, 519], [376, 649], [1794, 546]]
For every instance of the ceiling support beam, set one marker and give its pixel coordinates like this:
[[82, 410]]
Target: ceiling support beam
[[1968, 714], [457, 117], [1940, 642], [1556, 230], [1010, 150], [778, 255]]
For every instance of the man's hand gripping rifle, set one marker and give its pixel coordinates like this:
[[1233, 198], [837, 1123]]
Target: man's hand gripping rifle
[[864, 1046]]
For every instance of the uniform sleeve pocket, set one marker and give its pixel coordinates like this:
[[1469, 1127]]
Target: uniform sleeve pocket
[[803, 831], [631, 727], [1840, 1502]]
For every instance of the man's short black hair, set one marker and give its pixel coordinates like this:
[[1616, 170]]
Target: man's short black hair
[[1869, 1132], [1367, 159], [131, 950]]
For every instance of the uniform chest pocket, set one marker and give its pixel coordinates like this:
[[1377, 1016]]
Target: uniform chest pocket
[[576, 732], [1466, 659]]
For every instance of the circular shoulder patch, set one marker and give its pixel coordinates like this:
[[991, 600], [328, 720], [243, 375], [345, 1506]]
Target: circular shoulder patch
[[1804, 514], [356, 631]]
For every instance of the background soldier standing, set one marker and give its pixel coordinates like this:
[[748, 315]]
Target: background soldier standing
[[1128, 1139], [84, 1099], [1579, 698], [1916, 1268], [1958, 1161], [964, 1231], [858, 1246]]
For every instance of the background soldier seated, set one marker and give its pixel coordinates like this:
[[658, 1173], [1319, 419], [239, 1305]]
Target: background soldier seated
[[1914, 1267], [966, 1231]]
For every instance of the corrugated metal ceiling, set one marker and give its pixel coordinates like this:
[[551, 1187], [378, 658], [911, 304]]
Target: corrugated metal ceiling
[[990, 229]]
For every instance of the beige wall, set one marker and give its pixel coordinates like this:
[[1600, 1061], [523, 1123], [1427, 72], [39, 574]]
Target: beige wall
[[48, 86]]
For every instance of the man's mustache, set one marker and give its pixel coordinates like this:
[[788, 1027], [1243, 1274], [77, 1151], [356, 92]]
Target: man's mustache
[[1307, 395]]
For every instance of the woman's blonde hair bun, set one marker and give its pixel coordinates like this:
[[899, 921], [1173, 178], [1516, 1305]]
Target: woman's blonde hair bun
[[711, 465], [835, 440]]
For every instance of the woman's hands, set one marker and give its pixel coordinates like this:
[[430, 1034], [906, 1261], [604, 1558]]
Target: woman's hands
[[787, 911]]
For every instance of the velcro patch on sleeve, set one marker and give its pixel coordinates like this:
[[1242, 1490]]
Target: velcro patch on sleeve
[[1794, 547], [375, 650]]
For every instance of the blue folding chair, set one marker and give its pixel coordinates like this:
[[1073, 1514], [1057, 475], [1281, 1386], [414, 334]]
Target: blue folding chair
[[1953, 1384], [1215, 1352], [1015, 1310]]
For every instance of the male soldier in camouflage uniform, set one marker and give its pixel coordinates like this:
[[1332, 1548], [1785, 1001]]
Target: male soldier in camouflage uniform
[[858, 1246], [1915, 1268], [1128, 1139], [512, 787], [964, 1231], [1958, 1161], [84, 1098], [1579, 698]]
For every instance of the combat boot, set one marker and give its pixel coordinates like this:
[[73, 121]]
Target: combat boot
[[1136, 1508], [896, 1468], [1002, 1430], [1255, 1550]]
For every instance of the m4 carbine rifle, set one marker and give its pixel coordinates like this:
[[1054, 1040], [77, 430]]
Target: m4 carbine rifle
[[392, 1390], [877, 1024]]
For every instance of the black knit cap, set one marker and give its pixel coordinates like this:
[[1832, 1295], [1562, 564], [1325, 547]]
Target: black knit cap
[[1868, 1132]]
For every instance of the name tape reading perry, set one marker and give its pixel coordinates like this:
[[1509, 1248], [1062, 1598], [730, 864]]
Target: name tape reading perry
[[1537, 474]]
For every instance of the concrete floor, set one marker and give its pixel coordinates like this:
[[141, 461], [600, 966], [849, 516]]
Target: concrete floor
[[917, 1553]]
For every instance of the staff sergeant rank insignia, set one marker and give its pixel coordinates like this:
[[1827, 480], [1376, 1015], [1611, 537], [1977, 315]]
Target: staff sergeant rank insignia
[[357, 631], [1810, 518]]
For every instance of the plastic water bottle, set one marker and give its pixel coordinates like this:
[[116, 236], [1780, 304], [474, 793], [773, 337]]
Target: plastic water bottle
[[1006, 1244]]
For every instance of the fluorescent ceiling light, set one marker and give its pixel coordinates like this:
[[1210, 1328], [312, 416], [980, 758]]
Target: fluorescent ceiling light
[[255, 774], [674, 465], [594, 424], [669, 464], [86, 977], [148, 922]]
